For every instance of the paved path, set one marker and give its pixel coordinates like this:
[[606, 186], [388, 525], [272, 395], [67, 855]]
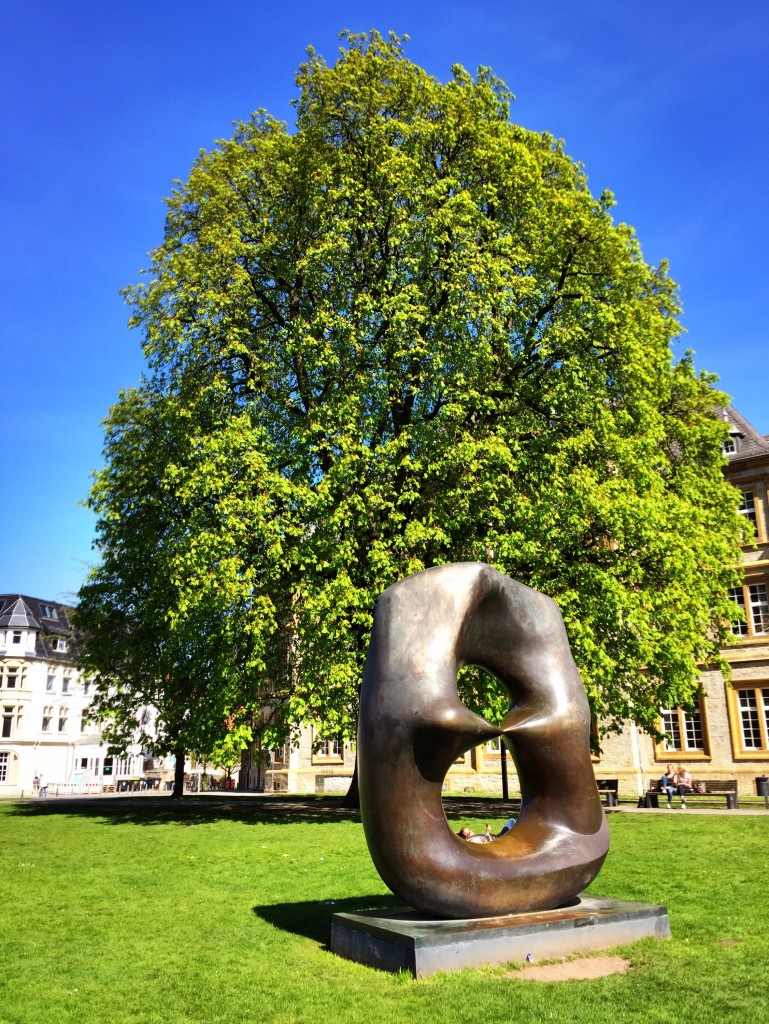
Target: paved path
[[689, 809]]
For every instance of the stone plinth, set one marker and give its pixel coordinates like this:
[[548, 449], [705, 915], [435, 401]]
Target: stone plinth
[[409, 941]]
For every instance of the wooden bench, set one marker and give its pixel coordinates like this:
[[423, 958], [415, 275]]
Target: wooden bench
[[609, 787], [700, 788]]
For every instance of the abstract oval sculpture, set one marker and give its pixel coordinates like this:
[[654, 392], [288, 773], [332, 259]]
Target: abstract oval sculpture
[[413, 727]]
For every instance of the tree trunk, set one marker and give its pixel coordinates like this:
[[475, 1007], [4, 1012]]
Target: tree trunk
[[178, 790], [352, 796]]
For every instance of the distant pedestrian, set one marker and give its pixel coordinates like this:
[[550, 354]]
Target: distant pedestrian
[[43, 786], [36, 786]]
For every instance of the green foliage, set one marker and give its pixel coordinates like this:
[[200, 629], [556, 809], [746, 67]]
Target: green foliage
[[403, 334]]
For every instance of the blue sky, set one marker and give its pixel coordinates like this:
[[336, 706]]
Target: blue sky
[[104, 103]]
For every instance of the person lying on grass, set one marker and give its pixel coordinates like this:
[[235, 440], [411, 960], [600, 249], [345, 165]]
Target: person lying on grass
[[472, 837]]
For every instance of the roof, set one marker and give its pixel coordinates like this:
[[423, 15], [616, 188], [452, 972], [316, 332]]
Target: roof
[[51, 620], [749, 443], [17, 614]]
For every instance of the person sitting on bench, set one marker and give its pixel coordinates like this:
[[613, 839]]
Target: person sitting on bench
[[667, 783], [683, 781]]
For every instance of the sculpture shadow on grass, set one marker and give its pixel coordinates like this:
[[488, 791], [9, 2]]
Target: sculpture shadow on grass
[[312, 919]]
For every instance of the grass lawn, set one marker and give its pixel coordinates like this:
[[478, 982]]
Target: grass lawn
[[216, 910]]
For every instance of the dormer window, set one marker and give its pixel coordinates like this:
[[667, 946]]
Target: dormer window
[[60, 645], [733, 441], [49, 611]]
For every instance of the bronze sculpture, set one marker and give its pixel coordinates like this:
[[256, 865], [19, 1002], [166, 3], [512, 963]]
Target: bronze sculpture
[[413, 726]]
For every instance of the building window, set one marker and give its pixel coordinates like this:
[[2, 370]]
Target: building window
[[327, 750], [749, 720], [47, 716], [748, 507], [16, 636], [11, 720], [60, 645], [739, 627], [12, 676], [49, 682], [753, 602], [4, 759], [753, 705], [63, 713], [684, 732], [730, 444], [65, 684], [759, 608], [48, 611]]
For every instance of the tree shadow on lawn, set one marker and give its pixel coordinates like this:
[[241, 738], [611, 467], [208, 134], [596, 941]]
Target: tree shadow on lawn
[[250, 810], [191, 810], [312, 919]]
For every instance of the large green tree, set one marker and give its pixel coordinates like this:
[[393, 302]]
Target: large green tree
[[166, 619], [404, 333]]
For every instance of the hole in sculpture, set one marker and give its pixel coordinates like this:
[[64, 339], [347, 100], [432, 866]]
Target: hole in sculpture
[[478, 770], [482, 693]]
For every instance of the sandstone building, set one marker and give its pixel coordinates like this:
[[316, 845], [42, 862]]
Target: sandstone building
[[728, 734]]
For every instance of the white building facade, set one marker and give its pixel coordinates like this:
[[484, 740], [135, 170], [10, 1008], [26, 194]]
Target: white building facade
[[45, 732]]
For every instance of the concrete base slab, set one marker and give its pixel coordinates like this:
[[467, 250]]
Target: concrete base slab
[[409, 941]]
